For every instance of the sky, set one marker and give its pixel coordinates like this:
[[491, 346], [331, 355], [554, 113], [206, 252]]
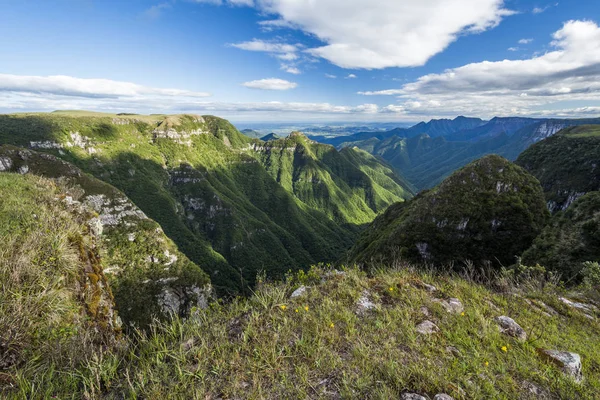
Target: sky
[[303, 60]]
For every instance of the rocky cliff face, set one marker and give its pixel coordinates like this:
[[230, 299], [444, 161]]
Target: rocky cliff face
[[148, 275], [566, 164], [488, 212]]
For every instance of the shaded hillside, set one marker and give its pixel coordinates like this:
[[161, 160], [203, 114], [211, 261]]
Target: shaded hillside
[[213, 190], [570, 239], [566, 164], [148, 275], [487, 212]]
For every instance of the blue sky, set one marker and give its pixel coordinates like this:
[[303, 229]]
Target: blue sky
[[303, 60]]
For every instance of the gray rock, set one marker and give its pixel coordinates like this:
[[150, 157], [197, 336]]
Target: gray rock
[[570, 363], [535, 391], [453, 350], [586, 308], [364, 305], [509, 327], [425, 311], [412, 396], [452, 305], [301, 291], [442, 396], [427, 328]]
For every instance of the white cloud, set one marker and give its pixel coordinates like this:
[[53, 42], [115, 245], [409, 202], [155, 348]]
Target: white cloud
[[285, 52], [350, 76], [569, 73], [270, 84], [513, 49], [291, 69], [330, 76], [156, 11], [385, 33], [240, 3], [538, 10], [97, 88], [525, 41]]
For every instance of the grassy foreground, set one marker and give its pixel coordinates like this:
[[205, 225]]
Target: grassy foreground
[[318, 346]]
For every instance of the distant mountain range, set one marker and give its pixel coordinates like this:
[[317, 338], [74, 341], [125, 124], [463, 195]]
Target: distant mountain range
[[428, 152]]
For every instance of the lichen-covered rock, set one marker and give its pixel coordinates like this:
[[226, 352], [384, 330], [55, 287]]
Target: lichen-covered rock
[[509, 327], [412, 396], [301, 291], [364, 304], [570, 363], [488, 212], [427, 328], [442, 396], [452, 305]]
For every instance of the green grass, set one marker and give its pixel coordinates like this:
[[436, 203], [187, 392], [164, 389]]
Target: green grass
[[269, 346], [246, 210]]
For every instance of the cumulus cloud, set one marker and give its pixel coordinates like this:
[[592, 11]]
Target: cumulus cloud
[[571, 72], [386, 33], [513, 49], [525, 41], [291, 69], [350, 76], [330, 76], [98, 88], [270, 84]]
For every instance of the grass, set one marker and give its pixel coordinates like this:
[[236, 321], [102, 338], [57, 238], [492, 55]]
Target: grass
[[317, 346]]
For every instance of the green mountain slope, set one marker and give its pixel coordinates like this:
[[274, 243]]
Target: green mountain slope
[[216, 192], [566, 164], [487, 212], [425, 159], [570, 239], [148, 275]]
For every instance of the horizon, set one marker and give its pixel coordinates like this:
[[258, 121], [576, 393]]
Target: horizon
[[284, 61]]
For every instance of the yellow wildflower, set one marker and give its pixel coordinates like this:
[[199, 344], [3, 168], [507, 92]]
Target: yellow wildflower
[[296, 310], [504, 349], [332, 325], [487, 363], [462, 314], [283, 307], [391, 289], [305, 308]]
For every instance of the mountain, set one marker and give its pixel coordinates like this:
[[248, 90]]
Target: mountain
[[234, 206], [433, 128], [251, 133], [487, 212], [148, 275], [270, 136], [426, 160], [567, 164], [570, 239]]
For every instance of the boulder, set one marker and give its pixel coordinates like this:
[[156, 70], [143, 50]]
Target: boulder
[[509, 327], [427, 328], [570, 363], [451, 305], [301, 291]]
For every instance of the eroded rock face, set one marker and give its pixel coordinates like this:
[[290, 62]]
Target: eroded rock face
[[570, 363], [509, 327]]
